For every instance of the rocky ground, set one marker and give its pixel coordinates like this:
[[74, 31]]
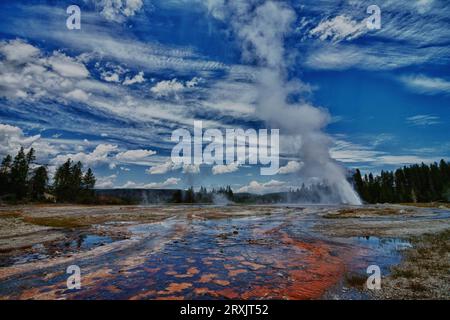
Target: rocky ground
[[213, 252]]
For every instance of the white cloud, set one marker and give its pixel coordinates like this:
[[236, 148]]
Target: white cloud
[[193, 82], [108, 154], [110, 77], [131, 156], [162, 168], [56, 76], [37, 81], [352, 153], [191, 168], [139, 78], [424, 6], [18, 51], [339, 56], [67, 67], [167, 88], [291, 167], [171, 88], [99, 155], [405, 159], [169, 166], [105, 182], [262, 188], [78, 94], [426, 85], [347, 152], [12, 138], [394, 46], [339, 28], [117, 10], [170, 182], [423, 120], [228, 168]]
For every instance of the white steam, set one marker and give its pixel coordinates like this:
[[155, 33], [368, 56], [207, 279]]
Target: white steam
[[261, 27]]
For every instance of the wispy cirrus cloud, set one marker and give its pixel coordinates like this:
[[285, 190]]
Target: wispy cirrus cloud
[[423, 120], [426, 85], [339, 28]]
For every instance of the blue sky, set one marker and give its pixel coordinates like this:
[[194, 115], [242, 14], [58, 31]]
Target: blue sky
[[111, 93]]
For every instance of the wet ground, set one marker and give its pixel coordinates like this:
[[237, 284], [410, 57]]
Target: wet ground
[[204, 252]]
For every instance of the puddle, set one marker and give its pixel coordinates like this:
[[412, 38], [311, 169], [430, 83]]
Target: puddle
[[86, 242], [383, 252], [38, 252]]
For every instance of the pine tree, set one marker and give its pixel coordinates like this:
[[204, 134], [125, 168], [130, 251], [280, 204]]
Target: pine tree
[[359, 183], [87, 194], [190, 196], [19, 174], [416, 183], [5, 175], [39, 183], [89, 180], [177, 197], [62, 181]]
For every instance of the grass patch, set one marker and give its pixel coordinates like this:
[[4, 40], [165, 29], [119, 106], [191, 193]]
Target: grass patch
[[424, 271], [10, 214], [362, 212], [56, 222], [428, 205]]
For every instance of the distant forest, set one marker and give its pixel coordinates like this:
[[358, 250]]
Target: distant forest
[[415, 183], [23, 180]]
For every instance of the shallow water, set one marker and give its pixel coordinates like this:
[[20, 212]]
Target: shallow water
[[40, 252], [276, 255]]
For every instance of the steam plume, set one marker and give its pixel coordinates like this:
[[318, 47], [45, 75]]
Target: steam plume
[[261, 27]]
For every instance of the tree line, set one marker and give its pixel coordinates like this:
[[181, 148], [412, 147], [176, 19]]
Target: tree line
[[22, 179], [203, 195], [415, 183]]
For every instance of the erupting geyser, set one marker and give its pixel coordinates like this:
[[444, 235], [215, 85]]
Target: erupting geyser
[[262, 26]]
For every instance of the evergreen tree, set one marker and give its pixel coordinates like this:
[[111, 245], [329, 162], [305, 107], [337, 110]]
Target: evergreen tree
[[71, 185], [76, 179], [177, 197], [89, 180], [39, 183], [62, 181], [190, 195], [416, 183], [19, 174], [5, 175], [359, 184], [87, 194]]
